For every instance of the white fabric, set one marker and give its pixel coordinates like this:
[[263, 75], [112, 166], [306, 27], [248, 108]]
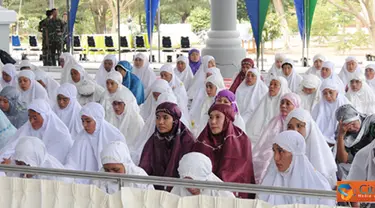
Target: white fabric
[[35, 91], [146, 74], [313, 70], [317, 149], [199, 77], [198, 167], [54, 134], [294, 79], [102, 73], [344, 74], [116, 153], [371, 82], [69, 62], [10, 69], [363, 165], [309, 101], [274, 71], [248, 97], [364, 99], [324, 112], [85, 152], [187, 75], [202, 103], [268, 108], [300, 174], [70, 114], [27, 64], [333, 77], [51, 84]]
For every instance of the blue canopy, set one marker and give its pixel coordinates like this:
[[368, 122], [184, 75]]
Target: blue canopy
[[151, 6]]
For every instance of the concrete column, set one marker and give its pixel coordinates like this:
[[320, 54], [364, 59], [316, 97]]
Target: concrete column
[[51, 4], [223, 40], [7, 17]]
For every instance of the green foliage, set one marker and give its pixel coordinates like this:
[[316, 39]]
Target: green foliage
[[242, 11], [272, 29], [347, 42], [174, 11], [324, 23], [200, 19]]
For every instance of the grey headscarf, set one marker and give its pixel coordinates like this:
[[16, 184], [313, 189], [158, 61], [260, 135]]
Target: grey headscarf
[[17, 113]]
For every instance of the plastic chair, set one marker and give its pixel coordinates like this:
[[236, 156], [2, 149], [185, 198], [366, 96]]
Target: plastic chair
[[109, 46], [185, 44], [167, 48]]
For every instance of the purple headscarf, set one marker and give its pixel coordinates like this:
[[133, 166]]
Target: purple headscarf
[[230, 96], [194, 65]]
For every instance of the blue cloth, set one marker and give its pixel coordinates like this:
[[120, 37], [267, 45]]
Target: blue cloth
[[132, 82]]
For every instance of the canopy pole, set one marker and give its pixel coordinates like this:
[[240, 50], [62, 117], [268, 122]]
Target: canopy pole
[[262, 53], [118, 30], [69, 45], [304, 33], [307, 23], [150, 38], [159, 33]]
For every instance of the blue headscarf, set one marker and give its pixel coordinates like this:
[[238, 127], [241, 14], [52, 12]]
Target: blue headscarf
[[132, 82]]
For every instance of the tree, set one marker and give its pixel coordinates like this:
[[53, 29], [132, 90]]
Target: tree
[[200, 19], [242, 11], [325, 22], [271, 30], [124, 5], [183, 8], [279, 8]]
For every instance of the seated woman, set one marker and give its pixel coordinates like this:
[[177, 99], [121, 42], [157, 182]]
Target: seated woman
[[197, 166], [108, 65], [116, 159], [30, 89], [262, 150], [9, 76], [7, 130], [227, 97], [143, 70], [246, 64], [66, 61], [13, 107], [292, 169], [370, 75], [276, 70], [324, 111], [68, 108], [170, 141], [328, 73], [48, 83], [309, 91], [183, 71], [194, 60], [267, 108], [85, 152], [88, 90], [290, 74], [351, 65], [131, 81], [361, 95], [317, 149], [318, 63], [249, 93], [227, 146]]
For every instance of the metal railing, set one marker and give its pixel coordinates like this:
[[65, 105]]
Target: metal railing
[[166, 181]]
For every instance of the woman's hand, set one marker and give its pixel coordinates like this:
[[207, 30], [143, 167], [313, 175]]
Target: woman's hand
[[343, 128], [6, 161]]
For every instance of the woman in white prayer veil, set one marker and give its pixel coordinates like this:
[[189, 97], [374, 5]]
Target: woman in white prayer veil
[[324, 112], [328, 73], [290, 74], [44, 124], [249, 93], [68, 108], [183, 71], [202, 103], [310, 91], [318, 61], [26, 65], [48, 83], [124, 115], [88, 90], [351, 65], [276, 69], [116, 159], [67, 61], [108, 65], [268, 108], [85, 152], [370, 76], [317, 149], [360, 94], [143, 70], [30, 89], [9, 76], [197, 166], [292, 169]]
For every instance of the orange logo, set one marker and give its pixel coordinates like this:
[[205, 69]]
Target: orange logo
[[356, 191]]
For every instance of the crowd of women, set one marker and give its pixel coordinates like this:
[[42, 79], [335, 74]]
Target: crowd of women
[[281, 129]]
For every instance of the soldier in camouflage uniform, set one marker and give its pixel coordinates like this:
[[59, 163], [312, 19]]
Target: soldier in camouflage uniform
[[55, 36], [65, 33], [43, 29]]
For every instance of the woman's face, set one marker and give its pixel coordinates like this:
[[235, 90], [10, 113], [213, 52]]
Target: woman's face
[[194, 57], [6, 77], [282, 158], [111, 86], [351, 66], [62, 101], [193, 191], [166, 76], [21, 163], [287, 69], [118, 107], [89, 124], [24, 83], [62, 62], [156, 95], [76, 77], [114, 168], [211, 64], [354, 126], [181, 66], [370, 73], [318, 64], [121, 70], [251, 79], [216, 122], [35, 119], [223, 100], [164, 122], [274, 88], [355, 85], [286, 106], [325, 72], [246, 66], [308, 91], [211, 89], [278, 63], [4, 104], [297, 125], [330, 95], [108, 64], [138, 62]]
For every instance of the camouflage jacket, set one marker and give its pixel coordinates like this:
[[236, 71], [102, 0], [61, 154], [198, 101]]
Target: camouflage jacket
[[55, 29], [43, 27]]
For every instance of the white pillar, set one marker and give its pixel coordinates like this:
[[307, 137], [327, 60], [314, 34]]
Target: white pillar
[[7, 17], [223, 40], [51, 4]]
